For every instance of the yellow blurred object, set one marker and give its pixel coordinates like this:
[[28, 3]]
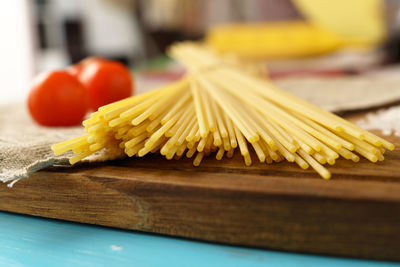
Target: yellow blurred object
[[357, 22], [272, 40]]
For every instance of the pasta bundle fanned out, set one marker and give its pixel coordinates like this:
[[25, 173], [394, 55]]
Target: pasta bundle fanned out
[[216, 108]]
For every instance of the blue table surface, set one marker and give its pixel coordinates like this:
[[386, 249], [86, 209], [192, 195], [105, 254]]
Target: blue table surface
[[31, 241]]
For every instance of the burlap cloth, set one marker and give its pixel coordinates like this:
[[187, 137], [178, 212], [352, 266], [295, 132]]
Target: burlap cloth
[[25, 146], [344, 93]]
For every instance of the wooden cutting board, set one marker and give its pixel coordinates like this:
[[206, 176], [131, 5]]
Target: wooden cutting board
[[278, 206]]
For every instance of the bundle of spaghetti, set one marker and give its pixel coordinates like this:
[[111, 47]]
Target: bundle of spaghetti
[[218, 107]]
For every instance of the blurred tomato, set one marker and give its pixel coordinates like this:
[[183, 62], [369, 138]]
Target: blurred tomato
[[57, 98], [77, 68], [106, 81]]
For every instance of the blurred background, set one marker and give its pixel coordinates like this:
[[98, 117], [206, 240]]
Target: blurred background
[[345, 38]]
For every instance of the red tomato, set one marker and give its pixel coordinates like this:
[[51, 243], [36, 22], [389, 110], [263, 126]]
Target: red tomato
[[106, 81], [57, 98], [76, 69]]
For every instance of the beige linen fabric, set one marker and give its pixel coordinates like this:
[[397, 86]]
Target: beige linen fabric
[[25, 146], [344, 93]]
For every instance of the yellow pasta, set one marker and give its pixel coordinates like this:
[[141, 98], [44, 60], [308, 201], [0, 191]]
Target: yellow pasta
[[216, 107]]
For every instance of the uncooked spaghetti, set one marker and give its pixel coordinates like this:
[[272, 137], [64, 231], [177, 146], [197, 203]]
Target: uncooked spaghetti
[[216, 108]]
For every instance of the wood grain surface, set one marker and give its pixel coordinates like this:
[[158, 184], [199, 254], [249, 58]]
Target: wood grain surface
[[279, 206]]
